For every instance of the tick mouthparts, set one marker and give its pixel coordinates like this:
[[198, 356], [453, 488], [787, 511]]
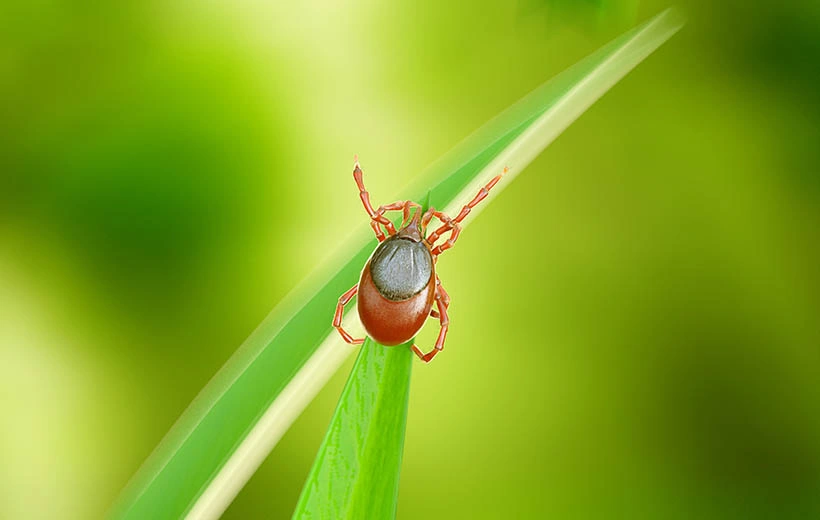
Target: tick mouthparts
[[414, 225], [413, 229]]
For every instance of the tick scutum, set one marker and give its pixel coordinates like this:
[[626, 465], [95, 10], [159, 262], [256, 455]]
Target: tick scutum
[[401, 268]]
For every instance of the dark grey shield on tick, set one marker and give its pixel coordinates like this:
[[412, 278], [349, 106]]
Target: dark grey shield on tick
[[401, 268]]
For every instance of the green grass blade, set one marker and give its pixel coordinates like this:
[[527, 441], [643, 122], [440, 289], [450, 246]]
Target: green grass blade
[[356, 473], [228, 430]]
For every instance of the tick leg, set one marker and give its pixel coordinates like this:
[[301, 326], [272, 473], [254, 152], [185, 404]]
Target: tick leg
[[444, 296], [448, 225], [404, 205], [452, 225], [337, 318], [482, 193], [442, 302], [376, 219]]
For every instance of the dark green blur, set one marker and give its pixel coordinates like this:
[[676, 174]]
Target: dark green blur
[[635, 327]]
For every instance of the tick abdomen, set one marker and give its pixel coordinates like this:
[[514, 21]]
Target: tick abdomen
[[396, 290], [401, 268]]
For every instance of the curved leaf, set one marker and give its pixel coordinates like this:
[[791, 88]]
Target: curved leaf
[[228, 430]]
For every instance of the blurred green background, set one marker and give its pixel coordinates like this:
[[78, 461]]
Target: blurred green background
[[635, 319]]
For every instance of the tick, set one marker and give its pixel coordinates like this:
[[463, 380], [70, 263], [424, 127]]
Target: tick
[[399, 286]]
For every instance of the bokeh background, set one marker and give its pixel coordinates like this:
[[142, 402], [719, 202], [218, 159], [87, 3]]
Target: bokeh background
[[636, 319]]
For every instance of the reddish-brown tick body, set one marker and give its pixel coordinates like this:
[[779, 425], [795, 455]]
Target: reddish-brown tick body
[[399, 286]]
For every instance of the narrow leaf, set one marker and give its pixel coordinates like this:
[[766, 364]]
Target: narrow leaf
[[356, 473]]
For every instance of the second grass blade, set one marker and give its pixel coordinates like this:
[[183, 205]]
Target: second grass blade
[[356, 472]]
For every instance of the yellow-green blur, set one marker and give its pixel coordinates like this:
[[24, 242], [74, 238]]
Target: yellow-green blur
[[635, 321]]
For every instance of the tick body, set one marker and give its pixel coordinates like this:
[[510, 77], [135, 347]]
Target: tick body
[[398, 288]]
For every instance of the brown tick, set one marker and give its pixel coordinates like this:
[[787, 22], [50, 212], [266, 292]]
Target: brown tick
[[399, 284]]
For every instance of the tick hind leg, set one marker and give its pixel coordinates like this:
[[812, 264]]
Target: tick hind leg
[[444, 296], [453, 225], [337, 318], [442, 303]]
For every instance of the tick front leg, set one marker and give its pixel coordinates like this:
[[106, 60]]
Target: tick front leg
[[337, 318], [442, 302], [482, 194], [376, 218], [453, 224], [448, 225]]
